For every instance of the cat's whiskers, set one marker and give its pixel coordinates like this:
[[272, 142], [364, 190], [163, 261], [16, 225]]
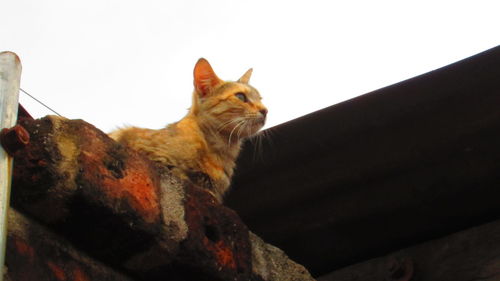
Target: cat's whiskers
[[258, 142], [257, 146], [227, 123], [241, 123], [208, 138], [242, 127], [250, 126]]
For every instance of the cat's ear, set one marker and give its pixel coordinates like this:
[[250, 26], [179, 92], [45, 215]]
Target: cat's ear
[[246, 77], [205, 78]]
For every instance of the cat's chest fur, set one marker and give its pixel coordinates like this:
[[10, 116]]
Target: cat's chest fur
[[189, 152]]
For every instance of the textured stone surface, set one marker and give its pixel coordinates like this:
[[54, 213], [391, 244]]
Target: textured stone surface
[[271, 263], [121, 208], [35, 253]]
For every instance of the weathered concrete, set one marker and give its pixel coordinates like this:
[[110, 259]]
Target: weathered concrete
[[121, 208], [35, 253], [270, 263]]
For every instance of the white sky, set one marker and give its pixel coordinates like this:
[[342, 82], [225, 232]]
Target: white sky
[[113, 63]]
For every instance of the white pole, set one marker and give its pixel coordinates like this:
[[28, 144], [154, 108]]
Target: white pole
[[10, 77]]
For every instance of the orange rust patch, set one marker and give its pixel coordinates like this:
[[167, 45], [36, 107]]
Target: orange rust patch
[[135, 186], [79, 275], [57, 271], [138, 189], [222, 253], [24, 249]]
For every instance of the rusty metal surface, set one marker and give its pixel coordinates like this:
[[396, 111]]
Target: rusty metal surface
[[13, 139], [467, 255], [410, 162], [36, 253], [131, 214]]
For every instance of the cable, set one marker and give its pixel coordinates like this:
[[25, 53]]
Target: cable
[[39, 102]]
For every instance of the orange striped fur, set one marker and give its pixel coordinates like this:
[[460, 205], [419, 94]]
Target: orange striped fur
[[203, 146]]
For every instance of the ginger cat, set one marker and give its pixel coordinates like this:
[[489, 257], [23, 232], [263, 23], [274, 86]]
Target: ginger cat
[[203, 146]]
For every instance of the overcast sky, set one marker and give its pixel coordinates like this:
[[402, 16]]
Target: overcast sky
[[113, 63]]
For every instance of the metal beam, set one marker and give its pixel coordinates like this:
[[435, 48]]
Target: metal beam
[[410, 162]]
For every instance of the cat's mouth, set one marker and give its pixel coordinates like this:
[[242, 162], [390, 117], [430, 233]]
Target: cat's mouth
[[258, 123], [261, 122]]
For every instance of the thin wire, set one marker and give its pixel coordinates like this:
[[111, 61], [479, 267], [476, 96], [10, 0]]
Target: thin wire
[[40, 102]]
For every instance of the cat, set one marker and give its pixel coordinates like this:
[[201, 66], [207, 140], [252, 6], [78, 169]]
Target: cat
[[203, 146]]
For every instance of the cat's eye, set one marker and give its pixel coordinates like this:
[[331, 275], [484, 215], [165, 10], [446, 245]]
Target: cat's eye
[[241, 96]]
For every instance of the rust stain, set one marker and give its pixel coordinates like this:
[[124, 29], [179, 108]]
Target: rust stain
[[14, 138], [222, 253], [57, 271], [138, 189], [217, 238], [79, 275], [24, 249]]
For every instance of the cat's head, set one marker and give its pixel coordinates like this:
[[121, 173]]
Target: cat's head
[[232, 109]]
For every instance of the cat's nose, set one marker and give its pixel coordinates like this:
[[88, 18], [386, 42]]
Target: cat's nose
[[263, 112]]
